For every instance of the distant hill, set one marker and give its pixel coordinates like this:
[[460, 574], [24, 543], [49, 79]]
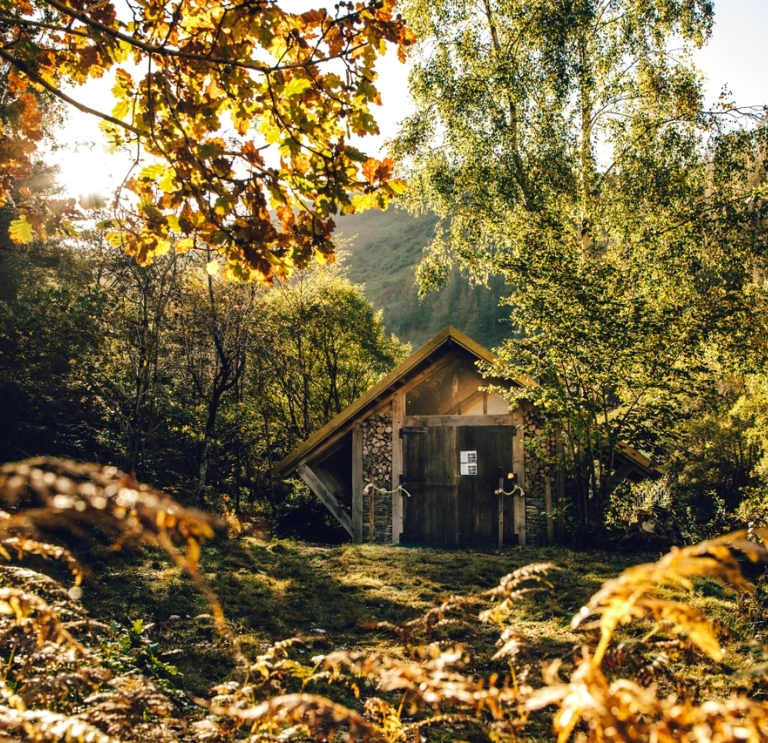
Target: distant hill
[[384, 250]]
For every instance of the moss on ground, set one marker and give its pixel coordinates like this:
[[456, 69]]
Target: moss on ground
[[333, 597]]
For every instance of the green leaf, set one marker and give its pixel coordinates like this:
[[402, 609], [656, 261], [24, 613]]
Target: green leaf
[[397, 186], [167, 183], [153, 172], [151, 211], [209, 150], [354, 154], [115, 239]]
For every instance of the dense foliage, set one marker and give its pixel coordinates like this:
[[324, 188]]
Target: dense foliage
[[242, 109], [568, 148], [179, 376]]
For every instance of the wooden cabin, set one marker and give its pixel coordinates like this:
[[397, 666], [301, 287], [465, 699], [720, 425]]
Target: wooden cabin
[[428, 456]]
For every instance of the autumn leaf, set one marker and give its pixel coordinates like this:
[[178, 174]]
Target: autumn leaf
[[297, 86], [275, 77], [377, 170], [21, 231]]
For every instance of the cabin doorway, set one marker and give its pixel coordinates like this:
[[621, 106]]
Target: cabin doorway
[[452, 473]]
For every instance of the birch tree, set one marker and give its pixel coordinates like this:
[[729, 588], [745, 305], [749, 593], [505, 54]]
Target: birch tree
[[567, 146]]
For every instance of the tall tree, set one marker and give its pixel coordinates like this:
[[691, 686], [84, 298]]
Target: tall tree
[[134, 377], [566, 146], [213, 323], [243, 108], [321, 345]]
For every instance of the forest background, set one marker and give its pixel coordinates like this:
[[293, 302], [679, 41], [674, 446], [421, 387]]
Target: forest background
[[193, 332], [199, 384]]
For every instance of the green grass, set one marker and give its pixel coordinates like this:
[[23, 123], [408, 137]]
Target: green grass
[[333, 596]]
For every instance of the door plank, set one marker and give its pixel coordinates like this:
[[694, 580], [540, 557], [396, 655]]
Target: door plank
[[518, 467], [357, 483], [398, 410]]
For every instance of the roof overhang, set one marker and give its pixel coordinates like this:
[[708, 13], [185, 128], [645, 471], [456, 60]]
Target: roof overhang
[[417, 362], [639, 465]]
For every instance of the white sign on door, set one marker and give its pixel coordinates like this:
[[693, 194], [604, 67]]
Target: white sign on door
[[468, 468], [468, 456]]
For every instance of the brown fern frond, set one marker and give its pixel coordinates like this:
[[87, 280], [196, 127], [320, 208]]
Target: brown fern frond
[[454, 721], [132, 702], [31, 612], [534, 572], [622, 711], [56, 492], [437, 616], [23, 546], [431, 679], [319, 717], [43, 725], [514, 587], [637, 592]]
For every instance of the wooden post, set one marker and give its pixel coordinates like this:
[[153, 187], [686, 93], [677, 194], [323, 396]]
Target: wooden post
[[501, 512], [456, 470], [548, 509], [357, 484], [560, 487], [518, 467], [398, 411], [371, 509]]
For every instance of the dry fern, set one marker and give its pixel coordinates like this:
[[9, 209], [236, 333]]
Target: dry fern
[[622, 709], [54, 687], [58, 493], [639, 591]]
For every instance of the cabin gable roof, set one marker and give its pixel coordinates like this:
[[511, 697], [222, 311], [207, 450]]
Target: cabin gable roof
[[420, 360]]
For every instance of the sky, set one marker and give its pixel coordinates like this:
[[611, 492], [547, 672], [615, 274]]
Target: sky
[[736, 57]]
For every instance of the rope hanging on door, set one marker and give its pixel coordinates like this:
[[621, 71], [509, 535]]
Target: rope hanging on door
[[369, 490], [517, 490], [381, 491]]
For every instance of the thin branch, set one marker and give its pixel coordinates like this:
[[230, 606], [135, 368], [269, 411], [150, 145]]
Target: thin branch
[[35, 78]]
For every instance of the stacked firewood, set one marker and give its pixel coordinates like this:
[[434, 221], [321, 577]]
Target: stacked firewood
[[377, 469]]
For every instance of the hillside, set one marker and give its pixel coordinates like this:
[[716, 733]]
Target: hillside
[[384, 250]]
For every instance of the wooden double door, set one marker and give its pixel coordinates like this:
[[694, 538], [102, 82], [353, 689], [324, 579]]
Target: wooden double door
[[446, 507]]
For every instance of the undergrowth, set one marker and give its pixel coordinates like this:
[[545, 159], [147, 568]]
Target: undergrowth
[[641, 660]]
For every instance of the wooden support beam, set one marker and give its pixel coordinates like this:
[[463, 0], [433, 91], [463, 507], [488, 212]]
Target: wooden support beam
[[621, 473], [501, 512], [330, 482], [398, 411], [518, 467], [317, 486], [357, 484], [422, 421]]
